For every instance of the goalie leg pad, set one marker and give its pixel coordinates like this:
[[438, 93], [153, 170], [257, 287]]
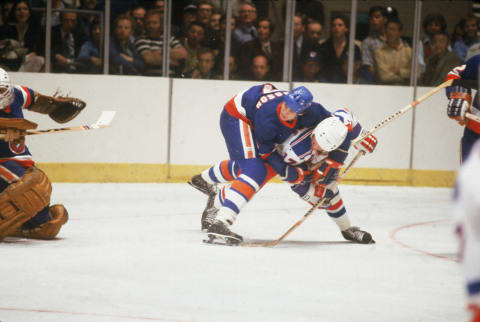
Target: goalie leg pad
[[48, 230], [22, 200]]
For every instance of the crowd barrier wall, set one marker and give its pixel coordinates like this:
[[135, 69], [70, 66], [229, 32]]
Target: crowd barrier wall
[[168, 129]]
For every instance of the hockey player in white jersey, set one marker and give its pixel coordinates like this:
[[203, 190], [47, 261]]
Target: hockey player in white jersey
[[467, 217], [322, 150]]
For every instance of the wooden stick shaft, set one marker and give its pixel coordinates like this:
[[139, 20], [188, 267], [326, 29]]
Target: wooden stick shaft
[[403, 110]]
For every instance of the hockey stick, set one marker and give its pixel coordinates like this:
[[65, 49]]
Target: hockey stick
[[309, 212], [403, 110], [103, 121]]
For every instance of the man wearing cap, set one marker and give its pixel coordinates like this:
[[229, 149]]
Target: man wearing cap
[[253, 123]]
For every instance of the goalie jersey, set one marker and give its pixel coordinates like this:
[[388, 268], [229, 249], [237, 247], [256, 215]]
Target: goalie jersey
[[297, 148], [23, 98]]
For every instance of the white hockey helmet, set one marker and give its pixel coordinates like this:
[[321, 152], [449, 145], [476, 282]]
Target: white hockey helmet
[[6, 89], [330, 133]]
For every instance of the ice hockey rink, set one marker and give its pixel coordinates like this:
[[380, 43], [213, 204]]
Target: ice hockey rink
[[134, 252]]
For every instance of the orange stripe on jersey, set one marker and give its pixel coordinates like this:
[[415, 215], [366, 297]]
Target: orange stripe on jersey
[[226, 171], [231, 109], [248, 140], [244, 188], [29, 97], [8, 175]]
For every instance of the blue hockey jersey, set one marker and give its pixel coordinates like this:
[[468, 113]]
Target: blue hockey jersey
[[259, 106], [23, 98]]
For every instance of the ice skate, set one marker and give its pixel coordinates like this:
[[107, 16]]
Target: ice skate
[[200, 184], [219, 233], [210, 213], [356, 235]]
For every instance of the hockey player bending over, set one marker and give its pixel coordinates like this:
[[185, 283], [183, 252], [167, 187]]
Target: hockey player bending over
[[467, 217], [322, 151], [25, 190], [460, 102], [253, 123]]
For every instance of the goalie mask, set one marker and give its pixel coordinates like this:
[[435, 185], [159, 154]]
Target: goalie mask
[[330, 133], [6, 89]]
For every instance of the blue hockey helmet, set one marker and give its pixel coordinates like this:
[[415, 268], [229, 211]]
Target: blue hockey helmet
[[299, 99]]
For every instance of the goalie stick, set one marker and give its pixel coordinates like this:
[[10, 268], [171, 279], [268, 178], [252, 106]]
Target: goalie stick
[[103, 121], [309, 212]]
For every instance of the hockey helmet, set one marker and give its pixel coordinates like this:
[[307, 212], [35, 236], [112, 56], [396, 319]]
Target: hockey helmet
[[6, 89], [299, 99], [330, 133]]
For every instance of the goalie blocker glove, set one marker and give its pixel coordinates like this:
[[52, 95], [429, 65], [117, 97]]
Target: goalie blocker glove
[[459, 103]]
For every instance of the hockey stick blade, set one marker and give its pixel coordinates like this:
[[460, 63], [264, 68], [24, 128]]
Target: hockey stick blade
[[103, 121]]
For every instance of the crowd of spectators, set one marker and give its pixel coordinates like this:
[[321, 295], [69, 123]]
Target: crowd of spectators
[[197, 42]]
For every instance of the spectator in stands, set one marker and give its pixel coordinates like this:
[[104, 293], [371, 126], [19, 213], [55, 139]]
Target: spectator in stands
[[394, 58], [124, 58], [432, 24], [440, 62], [215, 21], [314, 31], [260, 68], [66, 42], [245, 30], [84, 20], [301, 46], [189, 16], [89, 60], [56, 4], [24, 38], [150, 47], [159, 5], [458, 32], [192, 43], [138, 15], [219, 50], [206, 61], [375, 39], [357, 61], [204, 12], [333, 50], [6, 8], [311, 67], [470, 37], [262, 45]]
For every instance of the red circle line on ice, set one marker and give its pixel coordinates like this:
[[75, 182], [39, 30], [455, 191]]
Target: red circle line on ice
[[393, 236], [128, 317]]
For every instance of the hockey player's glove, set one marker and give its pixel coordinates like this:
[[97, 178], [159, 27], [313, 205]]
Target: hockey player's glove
[[368, 144], [329, 171], [459, 103]]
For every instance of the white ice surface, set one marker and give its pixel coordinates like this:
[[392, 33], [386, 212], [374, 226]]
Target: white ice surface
[[134, 252]]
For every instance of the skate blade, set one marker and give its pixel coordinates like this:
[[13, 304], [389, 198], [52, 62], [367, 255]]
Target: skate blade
[[217, 239], [199, 189]]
